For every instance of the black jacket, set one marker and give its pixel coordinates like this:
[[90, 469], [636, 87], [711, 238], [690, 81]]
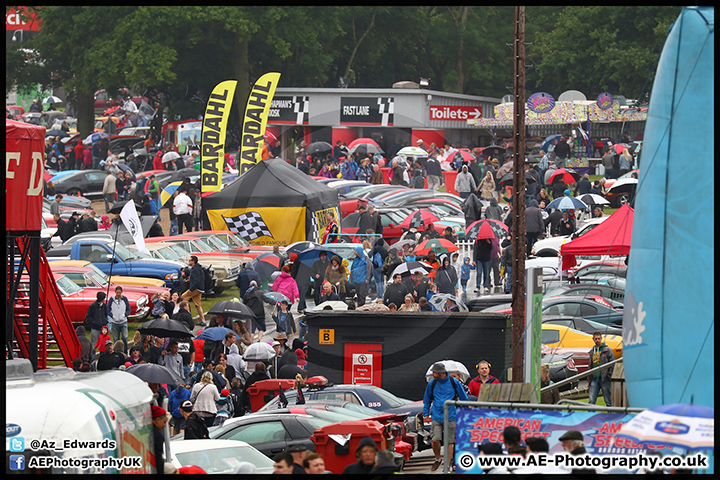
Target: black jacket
[[197, 278], [108, 361], [252, 299], [482, 251], [365, 223], [96, 316], [534, 222], [446, 279], [195, 427], [395, 293], [185, 317], [245, 277]]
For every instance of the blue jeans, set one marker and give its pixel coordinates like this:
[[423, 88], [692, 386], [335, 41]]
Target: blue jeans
[[303, 329], [119, 330], [302, 290], [173, 227], [594, 389], [379, 279], [483, 270], [186, 372], [464, 195]]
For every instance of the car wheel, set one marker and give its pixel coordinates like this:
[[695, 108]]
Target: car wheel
[[622, 200], [218, 290], [73, 192]]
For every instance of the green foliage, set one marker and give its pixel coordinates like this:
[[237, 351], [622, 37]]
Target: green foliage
[[463, 49]]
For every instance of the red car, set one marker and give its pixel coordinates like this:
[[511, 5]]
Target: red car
[[92, 277], [103, 100], [77, 300], [229, 242]]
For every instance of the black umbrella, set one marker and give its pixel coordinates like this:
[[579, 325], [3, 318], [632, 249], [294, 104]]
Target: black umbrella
[[165, 327], [508, 178], [153, 373], [318, 147], [57, 133], [117, 208], [365, 148], [493, 150], [232, 309]]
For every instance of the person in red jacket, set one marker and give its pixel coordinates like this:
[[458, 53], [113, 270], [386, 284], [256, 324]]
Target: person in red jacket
[[483, 368]]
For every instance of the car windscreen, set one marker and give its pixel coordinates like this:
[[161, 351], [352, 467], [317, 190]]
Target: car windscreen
[[391, 400], [126, 254], [223, 460], [67, 286]]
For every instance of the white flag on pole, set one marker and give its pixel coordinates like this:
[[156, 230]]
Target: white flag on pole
[[146, 110], [130, 219]]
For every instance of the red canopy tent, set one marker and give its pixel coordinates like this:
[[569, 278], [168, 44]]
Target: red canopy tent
[[611, 237]]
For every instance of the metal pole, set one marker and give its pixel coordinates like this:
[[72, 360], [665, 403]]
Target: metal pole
[[581, 375], [541, 406], [518, 236], [34, 294]]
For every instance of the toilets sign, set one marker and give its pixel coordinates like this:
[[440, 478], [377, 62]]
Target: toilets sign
[[456, 113]]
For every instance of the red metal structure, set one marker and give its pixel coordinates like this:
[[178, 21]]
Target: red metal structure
[[37, 325]]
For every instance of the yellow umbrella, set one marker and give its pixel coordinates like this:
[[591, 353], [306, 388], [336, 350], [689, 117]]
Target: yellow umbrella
[[166, 193]]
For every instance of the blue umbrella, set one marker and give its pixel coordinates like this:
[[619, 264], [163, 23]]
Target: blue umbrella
[[94, 137], [567, 203], [216, 334], [307, 258], [275, 297], [544, 145]]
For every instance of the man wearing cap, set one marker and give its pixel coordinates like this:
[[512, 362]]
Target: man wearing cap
[[421, 144], [365, 221], [365, 454], [96, 318], [275, 362], [109, 359], [194, 425], [297, 449], [573, 442], [159, 420], [438, 390]]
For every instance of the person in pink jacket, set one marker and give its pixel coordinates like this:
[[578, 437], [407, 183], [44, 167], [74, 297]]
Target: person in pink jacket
[[286, 285]]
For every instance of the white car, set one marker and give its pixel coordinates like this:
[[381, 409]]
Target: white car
[[218, 456], [550, 247]]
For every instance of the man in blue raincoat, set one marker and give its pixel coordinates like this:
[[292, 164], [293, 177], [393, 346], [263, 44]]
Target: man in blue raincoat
[[360, 275]]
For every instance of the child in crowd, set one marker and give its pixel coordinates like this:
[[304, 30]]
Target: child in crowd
[[104, 337], [465, 273]]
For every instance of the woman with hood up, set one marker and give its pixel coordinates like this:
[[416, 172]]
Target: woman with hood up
[[446, 278], [336, 275], [464, 183], [486, 187]]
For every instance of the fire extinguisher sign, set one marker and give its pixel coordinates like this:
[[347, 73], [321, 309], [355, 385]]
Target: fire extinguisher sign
[[362, 368]]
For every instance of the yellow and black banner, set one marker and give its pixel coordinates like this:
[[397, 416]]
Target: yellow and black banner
[[256, 117], [262, 225], [212, 152]]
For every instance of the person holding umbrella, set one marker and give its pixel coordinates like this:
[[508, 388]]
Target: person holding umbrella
[[482, 255]]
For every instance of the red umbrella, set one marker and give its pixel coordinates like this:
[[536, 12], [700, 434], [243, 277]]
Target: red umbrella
[[270, 137], [466, 156], [568, 175], [358, 141], [112, 110], [419, 219], [619, 147]]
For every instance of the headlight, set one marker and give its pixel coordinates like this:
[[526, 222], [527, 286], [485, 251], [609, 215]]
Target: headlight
[[172, 276]]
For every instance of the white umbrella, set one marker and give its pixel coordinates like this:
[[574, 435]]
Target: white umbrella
[[399, 244], [412, 267], [440, 299], [333, 304], [451, 366], [259, 352], [680, 425], [412, 152], [170, 156], [589, 198], [52, 99]]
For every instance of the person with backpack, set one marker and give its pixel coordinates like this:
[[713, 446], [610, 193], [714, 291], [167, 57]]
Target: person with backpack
[[441, 388]]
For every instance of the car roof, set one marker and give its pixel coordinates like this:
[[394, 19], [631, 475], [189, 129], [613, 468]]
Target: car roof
[[182, 446]]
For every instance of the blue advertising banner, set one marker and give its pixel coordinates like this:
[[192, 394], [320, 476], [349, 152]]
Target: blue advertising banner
[[483, 425]]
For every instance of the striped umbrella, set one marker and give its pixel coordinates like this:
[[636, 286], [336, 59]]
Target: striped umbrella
[[358, 141], [486, 228], [437, 245], [413, 152], [568, 175], [167, 192], [266, 264]]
